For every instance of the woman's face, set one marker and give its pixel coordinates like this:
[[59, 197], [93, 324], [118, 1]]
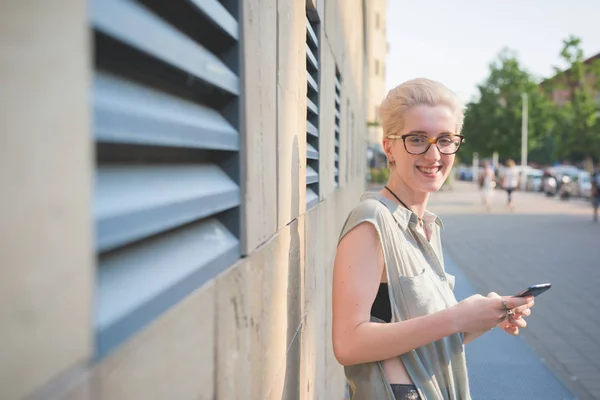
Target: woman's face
[[426, 172]]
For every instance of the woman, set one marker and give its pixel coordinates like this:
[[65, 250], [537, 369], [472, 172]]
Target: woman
[[487, 185], [397, 327], [510, 181]]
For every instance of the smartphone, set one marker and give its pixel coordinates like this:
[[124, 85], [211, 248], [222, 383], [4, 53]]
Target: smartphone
[[534, 290]]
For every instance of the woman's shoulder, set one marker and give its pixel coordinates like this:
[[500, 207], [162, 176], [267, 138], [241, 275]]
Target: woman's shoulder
[[370, 206], [370, 209]]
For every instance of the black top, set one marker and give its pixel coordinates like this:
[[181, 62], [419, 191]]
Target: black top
[[381, 306]]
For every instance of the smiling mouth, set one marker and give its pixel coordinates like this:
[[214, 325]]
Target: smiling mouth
[[430, 170]]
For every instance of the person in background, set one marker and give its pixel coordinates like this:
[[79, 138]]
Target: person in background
[[486, 184], [596, 192], [510, 181]]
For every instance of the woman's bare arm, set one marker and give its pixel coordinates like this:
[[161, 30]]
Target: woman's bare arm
[[357, 273]]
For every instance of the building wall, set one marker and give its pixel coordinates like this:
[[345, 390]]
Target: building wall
[[260, 329], [377, 49]]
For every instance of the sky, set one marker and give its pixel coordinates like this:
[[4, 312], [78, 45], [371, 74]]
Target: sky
[[454, 41]]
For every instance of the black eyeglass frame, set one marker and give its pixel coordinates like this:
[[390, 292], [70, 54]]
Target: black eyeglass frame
[[431, 141]]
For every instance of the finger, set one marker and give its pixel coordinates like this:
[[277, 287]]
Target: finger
[[521, 309], [514, 302], [493, 295], [525, 313], [513, 330], [520, 323]]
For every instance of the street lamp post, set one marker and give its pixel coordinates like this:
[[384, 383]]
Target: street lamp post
[[524, 122]]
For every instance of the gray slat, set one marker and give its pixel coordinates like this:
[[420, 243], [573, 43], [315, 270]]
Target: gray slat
[[337, 143], [311, 175], [311, 129], [139, 28], [137, 283], [337, 114], [312, 84], [135, 201], [311, 152], [312, 199], [218, 15], [311, 58], [312, 107], [311, 34], [338, 101], [125, 112], [338, 86]]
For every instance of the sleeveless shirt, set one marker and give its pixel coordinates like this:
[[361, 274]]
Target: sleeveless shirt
[[418, 285]]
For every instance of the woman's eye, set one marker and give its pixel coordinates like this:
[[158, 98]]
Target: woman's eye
[[417, 140]]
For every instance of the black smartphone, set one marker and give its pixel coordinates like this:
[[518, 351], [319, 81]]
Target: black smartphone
[[535, 290]]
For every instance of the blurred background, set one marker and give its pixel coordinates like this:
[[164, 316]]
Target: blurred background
[[175, 174]]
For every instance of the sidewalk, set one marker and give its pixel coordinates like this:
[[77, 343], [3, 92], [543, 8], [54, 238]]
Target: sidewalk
[[543, 240], [502, 366]]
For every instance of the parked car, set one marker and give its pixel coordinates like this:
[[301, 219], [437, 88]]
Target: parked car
[[465, 173], [533, 182], [553, 179], [585, 185], [575, 183]]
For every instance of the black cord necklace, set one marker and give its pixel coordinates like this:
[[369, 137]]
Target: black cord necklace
[[401, 202]]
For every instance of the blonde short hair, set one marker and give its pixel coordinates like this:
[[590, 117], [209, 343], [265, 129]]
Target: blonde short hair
[[417, 92]]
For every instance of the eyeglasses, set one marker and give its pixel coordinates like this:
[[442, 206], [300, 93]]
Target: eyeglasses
[[417, 144]]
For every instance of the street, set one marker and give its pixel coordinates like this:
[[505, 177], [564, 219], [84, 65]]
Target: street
[[542, 240]]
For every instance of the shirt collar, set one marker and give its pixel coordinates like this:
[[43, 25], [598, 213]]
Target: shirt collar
[[404, 216]]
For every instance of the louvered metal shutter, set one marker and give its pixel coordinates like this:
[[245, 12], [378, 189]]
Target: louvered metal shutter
[[338, 105], [167, 194], [312, 114]]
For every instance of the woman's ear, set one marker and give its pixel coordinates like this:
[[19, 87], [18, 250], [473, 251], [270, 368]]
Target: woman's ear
[[387, 148]]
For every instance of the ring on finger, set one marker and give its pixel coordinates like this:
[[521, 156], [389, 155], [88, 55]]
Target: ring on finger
[[505, 305], [510, 314]]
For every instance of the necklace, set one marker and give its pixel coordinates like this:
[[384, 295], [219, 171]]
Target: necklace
[[401, 202]]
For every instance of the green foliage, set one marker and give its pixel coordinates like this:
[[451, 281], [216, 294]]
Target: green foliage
[[577, 125], [493, 121], [380, 175], [556, 131]]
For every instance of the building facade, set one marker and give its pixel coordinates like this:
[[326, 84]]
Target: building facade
[[175, 176], [560, 91], [377, 51]]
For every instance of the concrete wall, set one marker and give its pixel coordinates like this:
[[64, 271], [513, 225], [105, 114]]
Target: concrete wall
[[377, 54], [261, 329], [46, 256]]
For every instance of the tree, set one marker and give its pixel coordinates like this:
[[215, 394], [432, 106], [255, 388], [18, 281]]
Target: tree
[[577, 129], [493, 121]]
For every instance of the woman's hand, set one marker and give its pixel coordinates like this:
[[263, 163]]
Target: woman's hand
[[480, 314], [512, 324]]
